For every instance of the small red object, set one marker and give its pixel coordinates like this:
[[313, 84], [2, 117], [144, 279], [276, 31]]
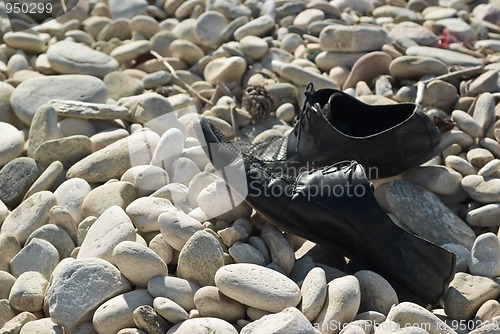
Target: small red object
[[445, 39]]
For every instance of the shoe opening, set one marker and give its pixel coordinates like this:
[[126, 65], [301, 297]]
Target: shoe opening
[[357, 119]]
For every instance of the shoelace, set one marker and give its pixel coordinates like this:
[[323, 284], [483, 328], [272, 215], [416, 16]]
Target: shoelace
[[304, 113]]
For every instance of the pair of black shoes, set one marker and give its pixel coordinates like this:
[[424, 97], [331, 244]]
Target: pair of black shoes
[[334, 205]]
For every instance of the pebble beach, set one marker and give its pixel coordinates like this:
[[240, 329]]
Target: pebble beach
[[113, 220]]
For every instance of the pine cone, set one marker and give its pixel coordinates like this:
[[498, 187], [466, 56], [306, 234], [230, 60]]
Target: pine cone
[[257, 101]]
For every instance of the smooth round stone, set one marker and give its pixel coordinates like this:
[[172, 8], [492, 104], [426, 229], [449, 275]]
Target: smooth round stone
[[342, 302], [9, 246], [209, 27], [177, 227], [71, 194], [486, 82], [254, 47], [56, 236], [112, 227], [308, 16], [245, 253], [367, 68], [117, 313], [330, 60], [484, 110], [287, 321], [176, 289], [204, 325], [77, 278], [448, 57], [67, 57], [117, 28], [217, 200], [281, 252], [485, 256], [440, 94], [186, 51], [28, 291], [225, 70], [17, 63], [210, 302], [376, 293], [11, 144], [481, 190], [200, 258], [155, 79], [121, 85], [438, 179], [39, 255], [467, 293], [460, 165], [342, 38], [170, 310], [286, 112], [107, 195], [414, 67], [257, 286], [160, 247], [33, 93], [145, 25], [146, 179], [127, 9], [462, 256], [479, 157], [130, 51], [257, 27], [184, 170], [16, 177], [31, 43], [438, 13], [144, 212], [487, 215], [313, 293], [468, 124], [138, 263]]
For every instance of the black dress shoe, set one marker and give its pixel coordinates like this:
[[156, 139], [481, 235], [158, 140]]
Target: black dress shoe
[[333, 126], [334, 206]]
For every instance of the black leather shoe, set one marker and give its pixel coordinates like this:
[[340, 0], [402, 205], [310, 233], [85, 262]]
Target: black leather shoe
[[334, 206], [333, 126]]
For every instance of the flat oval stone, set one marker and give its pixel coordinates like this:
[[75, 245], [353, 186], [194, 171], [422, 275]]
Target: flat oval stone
[[313, 293], [479, 157], [16, 177], [146, 179], [486, 215], [257, 286], [117, 313], [281, 252], [449, 57], [438, 179], [71, 194], [11, 144], [39, 255], [78, 278], [376, 293], [209, 27], [127, 9], [352, 38], [67, 150], [56, 236], [409, 313], [460, 165], [33, 93], [145, 211], [177, 227], [121, 85], [367, 68], [31, 43], [481, 190], [67, 57], [107, 195], [130, 51], [257, 27], [170, 310], [414, 67], [138, 263], [290, 320], [226, 70], [468, 124], [30, 215]]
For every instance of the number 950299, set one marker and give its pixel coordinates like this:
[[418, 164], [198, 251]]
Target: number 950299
[[28, 8]]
